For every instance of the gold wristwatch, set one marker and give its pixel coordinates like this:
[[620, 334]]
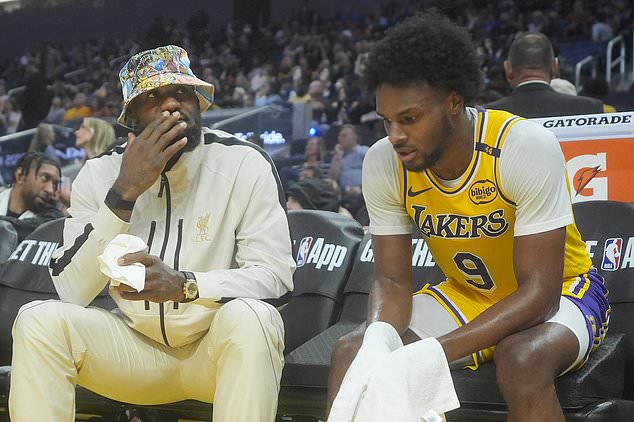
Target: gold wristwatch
[[190, 287]]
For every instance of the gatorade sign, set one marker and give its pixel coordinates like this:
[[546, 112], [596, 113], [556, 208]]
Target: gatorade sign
[[598, 150]]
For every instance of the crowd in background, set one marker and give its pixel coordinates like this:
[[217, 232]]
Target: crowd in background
[[305, 58], [308, 58]]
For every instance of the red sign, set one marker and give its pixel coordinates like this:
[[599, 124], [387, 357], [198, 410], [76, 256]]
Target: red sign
[[601, 169]]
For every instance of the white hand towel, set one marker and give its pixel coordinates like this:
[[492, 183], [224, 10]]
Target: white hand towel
[[133, 275], [412, 384], [379, 340]]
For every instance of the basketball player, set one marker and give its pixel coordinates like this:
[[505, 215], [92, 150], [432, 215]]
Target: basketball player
[[488, 191]]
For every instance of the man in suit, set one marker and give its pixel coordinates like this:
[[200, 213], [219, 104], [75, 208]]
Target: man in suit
[[529, 68]]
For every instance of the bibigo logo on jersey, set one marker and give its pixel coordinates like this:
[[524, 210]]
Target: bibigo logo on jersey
[[482, 192], [316, 251]]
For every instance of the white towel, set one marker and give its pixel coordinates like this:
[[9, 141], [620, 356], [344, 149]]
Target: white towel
[[132, 275], [379, 340], [412, 384]]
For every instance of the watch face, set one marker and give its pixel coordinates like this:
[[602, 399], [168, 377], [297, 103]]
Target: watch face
[[191, 290]]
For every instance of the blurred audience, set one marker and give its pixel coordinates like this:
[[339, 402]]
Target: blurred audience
[[79, 108], [42, 142]]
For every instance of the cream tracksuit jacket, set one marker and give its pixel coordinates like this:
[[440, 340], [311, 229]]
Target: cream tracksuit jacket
[[219, 213]]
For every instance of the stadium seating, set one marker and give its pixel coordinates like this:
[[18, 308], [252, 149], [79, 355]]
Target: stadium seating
[[24, 277], [8, 239], [324, 247]]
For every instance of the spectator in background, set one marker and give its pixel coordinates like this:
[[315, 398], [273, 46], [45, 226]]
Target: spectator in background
[[56, 111], [93, 136], [79, 108], [12, 115], [530, 66], [347, 161], [345, 168], [312, 166], [30, 201], [43, 140], [35, 101], [563, 86]]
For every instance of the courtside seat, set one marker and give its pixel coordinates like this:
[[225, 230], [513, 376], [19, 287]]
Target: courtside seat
[[602, 389], [305, 375], [8, 239], [324, 247], [24, 277]]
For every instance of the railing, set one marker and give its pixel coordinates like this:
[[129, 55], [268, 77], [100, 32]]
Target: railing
[[620, 60], [589, 60]]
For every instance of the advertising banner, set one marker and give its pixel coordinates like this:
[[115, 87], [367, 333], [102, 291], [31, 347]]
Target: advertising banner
[[599, 151]]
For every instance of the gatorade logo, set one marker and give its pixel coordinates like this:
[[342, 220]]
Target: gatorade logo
[[589, 177], [482, 192], [322, 254]]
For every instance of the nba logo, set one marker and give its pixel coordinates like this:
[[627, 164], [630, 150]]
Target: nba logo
[[302, 251], [612, 254]]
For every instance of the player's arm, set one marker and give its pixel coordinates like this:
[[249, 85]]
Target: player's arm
[[391, 293], [391, 228], [538, 260]]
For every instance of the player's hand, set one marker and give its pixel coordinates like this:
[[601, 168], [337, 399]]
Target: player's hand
[[162, 283], [147, 154]]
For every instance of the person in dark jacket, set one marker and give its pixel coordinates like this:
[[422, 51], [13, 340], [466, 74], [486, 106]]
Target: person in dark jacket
[[530, 66]]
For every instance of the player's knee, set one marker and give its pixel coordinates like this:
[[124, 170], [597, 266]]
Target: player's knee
[[249, 325], [517, 357], [36, 319], [346, 347]]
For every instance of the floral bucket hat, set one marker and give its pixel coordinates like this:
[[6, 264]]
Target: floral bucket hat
[[150, 69]]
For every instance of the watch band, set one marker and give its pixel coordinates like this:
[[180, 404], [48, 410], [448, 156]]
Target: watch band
[[114, 200]]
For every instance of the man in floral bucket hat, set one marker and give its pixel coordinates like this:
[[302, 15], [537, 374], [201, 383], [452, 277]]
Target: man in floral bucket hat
[[206, 227]]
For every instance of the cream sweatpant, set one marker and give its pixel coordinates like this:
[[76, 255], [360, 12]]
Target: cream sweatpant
[[237, 365]]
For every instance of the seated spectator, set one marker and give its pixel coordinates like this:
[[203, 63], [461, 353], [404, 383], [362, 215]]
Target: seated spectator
[[93, 136], [56, 111], [43, 140], [12, 115], [345, 167], [79, 108], [530, 66], [315, 194], [563, 86], [30, 201], [313, 165]]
